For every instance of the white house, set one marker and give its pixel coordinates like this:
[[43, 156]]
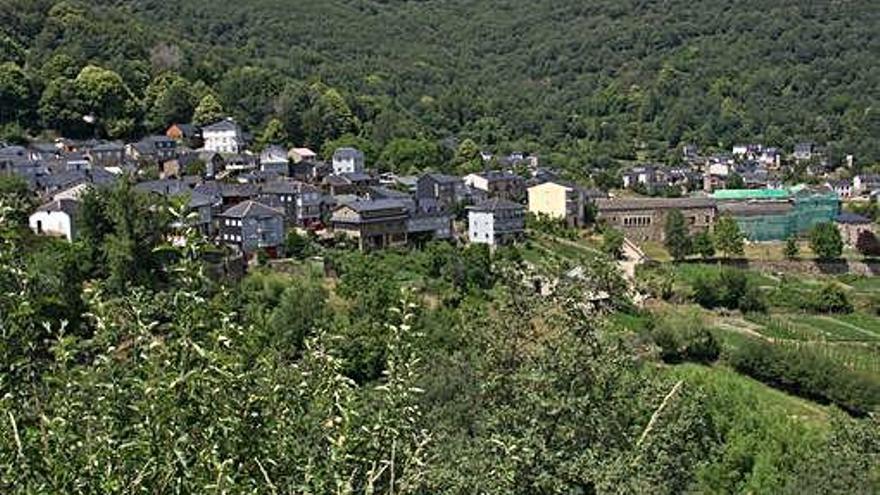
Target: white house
[[223, 137], [496, 221], [348, 161], [56, 219]]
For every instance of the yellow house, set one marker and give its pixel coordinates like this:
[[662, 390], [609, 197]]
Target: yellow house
[[559, 200]]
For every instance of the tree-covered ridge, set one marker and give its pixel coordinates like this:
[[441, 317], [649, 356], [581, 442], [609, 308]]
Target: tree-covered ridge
[[577, 82]]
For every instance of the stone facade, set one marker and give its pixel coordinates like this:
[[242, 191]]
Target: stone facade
[[645, 219]]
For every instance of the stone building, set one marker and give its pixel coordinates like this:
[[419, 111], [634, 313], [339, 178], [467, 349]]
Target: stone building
[[644, 219]]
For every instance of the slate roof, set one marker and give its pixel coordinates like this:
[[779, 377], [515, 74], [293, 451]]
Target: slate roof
[[376, 205], [68, 206], [251, 209], [852, 219], [280, 187], [444, 178], [348, 154], [654, 203], [223, 125], [496, 204]]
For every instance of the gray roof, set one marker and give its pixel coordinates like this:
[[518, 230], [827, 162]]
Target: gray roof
[[376, 205], [251, 209], [653, 203], [69, 206], [852, 219], [443, 178], [280, 187], [496, 204], [348, 154], [223, 125], [381, 192]]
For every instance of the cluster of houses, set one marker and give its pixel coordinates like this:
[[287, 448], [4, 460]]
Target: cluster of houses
[[248, 201], [755, 166]]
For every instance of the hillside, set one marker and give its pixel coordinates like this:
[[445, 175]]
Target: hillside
[[586, 81]]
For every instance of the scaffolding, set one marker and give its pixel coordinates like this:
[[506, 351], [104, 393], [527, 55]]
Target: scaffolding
[[777, 215]]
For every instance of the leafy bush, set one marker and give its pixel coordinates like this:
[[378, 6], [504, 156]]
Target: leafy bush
[[806, 372], [825, 241], [728, 288], [684, 337], [830, 298]]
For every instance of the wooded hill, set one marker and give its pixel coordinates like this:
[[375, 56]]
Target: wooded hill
[[579, 82]]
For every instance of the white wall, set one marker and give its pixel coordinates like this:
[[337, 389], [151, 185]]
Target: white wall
[[55, 223]]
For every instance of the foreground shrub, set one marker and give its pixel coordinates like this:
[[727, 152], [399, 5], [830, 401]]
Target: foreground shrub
[[808, 373]]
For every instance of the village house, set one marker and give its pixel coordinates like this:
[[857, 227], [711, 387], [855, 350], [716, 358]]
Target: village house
[[56, 218], [183, 133], [804, 151], [866, 184], [297, 155], [447, 190], [348, 161], [300, 202], [497, 184], [223, 137], [843, 187], [348, 183], [561, 201], [153, 148], [496, 222], [251, 226], [76, 161], [852, 226], [106, 154], [645, 219], [199, 204], [274, 159], [375, 224]]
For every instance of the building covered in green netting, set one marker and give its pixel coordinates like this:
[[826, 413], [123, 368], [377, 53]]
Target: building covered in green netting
[[776, 214]]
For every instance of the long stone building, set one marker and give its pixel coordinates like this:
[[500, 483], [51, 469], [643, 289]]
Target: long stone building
[[644, 219]]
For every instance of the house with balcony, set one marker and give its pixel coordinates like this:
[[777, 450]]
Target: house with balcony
[[251, 226], [496, 222], [374, 224], [223, 137]]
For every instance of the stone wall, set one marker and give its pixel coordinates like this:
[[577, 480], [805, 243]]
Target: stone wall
[[865, 268]]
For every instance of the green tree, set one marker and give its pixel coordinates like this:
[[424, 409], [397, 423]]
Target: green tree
[[273, 133], [792, 249], [105, 95], [329, 117], [467, 157], [612, 242], [704, 244], [405, 156], [16, 99], [168, 100], [728, 237], [734, 181], [676, 237], [208, 111], [300, 311], [825, 241], [61, 107]]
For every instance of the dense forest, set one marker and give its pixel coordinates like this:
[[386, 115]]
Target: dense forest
[[580, 83]]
